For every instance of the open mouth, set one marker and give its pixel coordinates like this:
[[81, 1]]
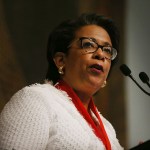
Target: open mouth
[[97, 67]]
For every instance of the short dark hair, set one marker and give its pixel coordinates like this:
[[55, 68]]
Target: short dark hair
[[61, 37]]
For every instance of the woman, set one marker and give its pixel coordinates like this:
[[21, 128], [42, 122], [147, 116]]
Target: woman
[[60, 114]]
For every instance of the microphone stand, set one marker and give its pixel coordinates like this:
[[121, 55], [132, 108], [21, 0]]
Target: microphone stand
[[127, 72], [148, 84], [138, 85]]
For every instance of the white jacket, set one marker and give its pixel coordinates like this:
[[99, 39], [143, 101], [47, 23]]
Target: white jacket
[[41, 117]]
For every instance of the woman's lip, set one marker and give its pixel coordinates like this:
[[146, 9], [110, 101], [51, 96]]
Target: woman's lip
[[97, 68], [97, 71]]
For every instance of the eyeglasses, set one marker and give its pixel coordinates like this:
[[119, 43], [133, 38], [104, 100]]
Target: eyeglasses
[[89, 45]]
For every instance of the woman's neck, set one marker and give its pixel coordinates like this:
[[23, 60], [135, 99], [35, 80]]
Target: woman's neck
[[84, 99], [84, 95]]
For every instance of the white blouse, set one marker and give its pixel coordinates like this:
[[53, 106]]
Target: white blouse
[[41, 117]]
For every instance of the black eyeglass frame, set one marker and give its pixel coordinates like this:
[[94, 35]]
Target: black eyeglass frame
[[113, 50]]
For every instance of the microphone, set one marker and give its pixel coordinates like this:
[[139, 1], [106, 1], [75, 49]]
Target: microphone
[[144, 77], [127, 72]]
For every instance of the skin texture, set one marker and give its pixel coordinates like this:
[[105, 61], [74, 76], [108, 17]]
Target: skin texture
[[77, 64]]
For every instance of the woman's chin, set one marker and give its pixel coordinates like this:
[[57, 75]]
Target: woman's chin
[[96, 80], [95, 84]]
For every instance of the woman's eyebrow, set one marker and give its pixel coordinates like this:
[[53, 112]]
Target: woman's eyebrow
[[107, 44], [104, 43]]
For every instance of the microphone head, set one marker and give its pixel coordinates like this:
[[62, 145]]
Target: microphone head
[[125, 70], [143, 76]]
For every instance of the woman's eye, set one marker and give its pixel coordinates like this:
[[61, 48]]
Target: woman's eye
[[107, 49], [87, 45]]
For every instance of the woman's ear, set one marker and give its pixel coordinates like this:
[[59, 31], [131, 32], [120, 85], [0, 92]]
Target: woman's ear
[[59, 59]]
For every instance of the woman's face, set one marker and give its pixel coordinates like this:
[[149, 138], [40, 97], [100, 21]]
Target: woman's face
[[86, 72]]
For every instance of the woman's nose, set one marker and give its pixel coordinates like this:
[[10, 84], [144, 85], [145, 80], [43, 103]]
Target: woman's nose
[[99, 54]]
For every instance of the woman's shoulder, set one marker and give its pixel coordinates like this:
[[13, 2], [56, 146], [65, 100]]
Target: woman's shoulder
[[31, 101], [35, 91], [35, 95], [36, 88], [26, 115]]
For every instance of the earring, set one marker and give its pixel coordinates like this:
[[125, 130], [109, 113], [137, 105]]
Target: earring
[[60, 70], [104, 84]]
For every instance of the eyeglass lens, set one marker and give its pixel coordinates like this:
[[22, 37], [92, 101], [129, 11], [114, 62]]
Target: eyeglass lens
[[90, 47]]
